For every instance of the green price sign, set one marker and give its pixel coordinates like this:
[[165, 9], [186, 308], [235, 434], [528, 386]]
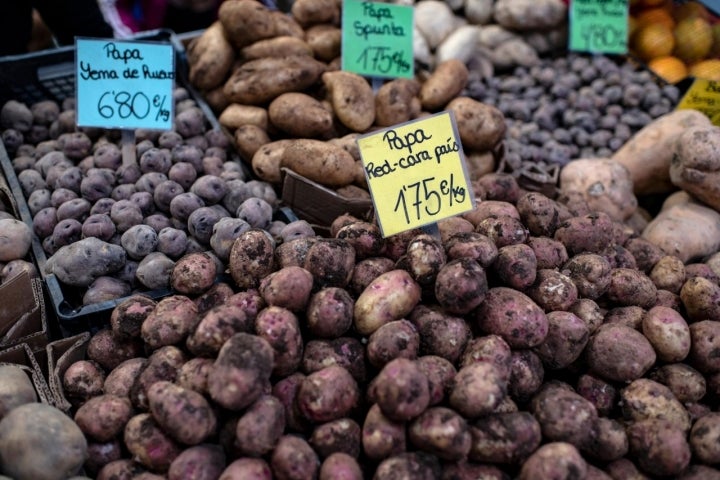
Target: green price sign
[[416, 173], [599, 26], [377, 39]]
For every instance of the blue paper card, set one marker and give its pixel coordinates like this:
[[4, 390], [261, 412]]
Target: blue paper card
[[124, 84]]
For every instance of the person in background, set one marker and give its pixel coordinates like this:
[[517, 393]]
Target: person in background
[[128, 17], [65, 19]]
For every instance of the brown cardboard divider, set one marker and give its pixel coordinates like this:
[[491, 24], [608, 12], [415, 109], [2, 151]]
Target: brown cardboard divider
[[22, 356], [60, 355], [23, 318], [318, 204]]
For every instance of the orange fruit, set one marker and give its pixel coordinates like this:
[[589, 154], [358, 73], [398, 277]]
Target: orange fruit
[[655, 15], [652, 41], [693, 39], [709, 69], [672, 69]]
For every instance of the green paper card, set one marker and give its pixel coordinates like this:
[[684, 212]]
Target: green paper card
[[599, 26], [377, 39], [124, 84]]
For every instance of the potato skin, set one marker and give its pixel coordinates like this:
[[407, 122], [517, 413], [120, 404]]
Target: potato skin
[[289, 287], [182, 413], [352, 99], [319, 161], [554, 460], [103, 417], [565, 341], [251, 258], [170, 322], [281, 329], [389, 297], [148, 444], [443, 85], [16, 388], [328, 394], [668, 332], [504, 438], [441, 431], [300, 115], [664, 458], [39, 427], [294, 458], [620, 353], [645, 399], [512, 315], [381, 436], [478, 388], [201, 462]]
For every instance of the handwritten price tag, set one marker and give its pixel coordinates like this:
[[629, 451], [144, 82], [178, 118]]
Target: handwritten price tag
[[123, 84], [703, 95], [599, 26], [416, 173], [377, 39]]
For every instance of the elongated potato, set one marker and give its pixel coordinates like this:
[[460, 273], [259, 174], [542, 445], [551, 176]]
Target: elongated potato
[[246, 21], [267, 160], [389, 297], [259, 81], [300, 115], [445, 83], [320, 162], [279, 46], [210, 58], [352, 99]]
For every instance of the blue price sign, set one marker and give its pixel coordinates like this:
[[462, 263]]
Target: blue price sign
[[124, 84]]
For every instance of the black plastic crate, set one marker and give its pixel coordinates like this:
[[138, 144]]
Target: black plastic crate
[[50, 75]]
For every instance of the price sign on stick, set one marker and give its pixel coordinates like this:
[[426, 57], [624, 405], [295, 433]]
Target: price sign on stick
[[599, 26], [123, 84], [377, 39], [703, 95], [416, 173]]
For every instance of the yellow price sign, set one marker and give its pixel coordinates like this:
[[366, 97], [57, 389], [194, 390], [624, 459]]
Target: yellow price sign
[[703, 95], [416, 173]]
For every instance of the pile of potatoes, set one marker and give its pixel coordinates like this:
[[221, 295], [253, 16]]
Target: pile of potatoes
[[112, 225], [530, 338], [274, 81]]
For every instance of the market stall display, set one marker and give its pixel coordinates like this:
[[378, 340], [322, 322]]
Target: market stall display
[[564, 326]]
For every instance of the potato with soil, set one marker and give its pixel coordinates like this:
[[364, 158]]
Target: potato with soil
[[442, 432], [154, 271], [216, 326], [516, 266], [281, 329], [472, 245], [330, 261], [340, 465], [645, 399], [104, 289], [121, 379], [82, 380], [259, 81], [620, 353], [241, 371], [667, 332], [319, 161], [16, 388], [700, 296], [300, 115], [590, 273], [381, 436], [201, 462], [251, 258], [329, 312], [395, 339], [660, 447], [687, 384], [148, 444], [347, 352], [103, 417], [365, 237], [565, 341], [705, 341], [182, 413], [170, 322], [288, 287], [260, 427], [210, 57], [564, 415], [343, 435], [193, 274], [554, 460], [703, 438], [480, 126], [631, 287], [513, 316], [443, 85], [40, 442], [478, 388], [328, 394], [352, 99], [441, 334], [162, 364], [507, 438], [389, 297], [83, 261], [397, 101], [293, 458]]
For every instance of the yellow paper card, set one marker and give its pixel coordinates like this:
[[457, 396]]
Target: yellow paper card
[[703, 95], [416, 173]]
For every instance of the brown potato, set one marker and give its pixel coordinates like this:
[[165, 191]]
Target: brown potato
[[210, 57], [319, 161], [259, 81], [279, 46], [480, 126], [444, 84], [245, 21], [352, 99], [397, 101], [300, 115], [324, 41]]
